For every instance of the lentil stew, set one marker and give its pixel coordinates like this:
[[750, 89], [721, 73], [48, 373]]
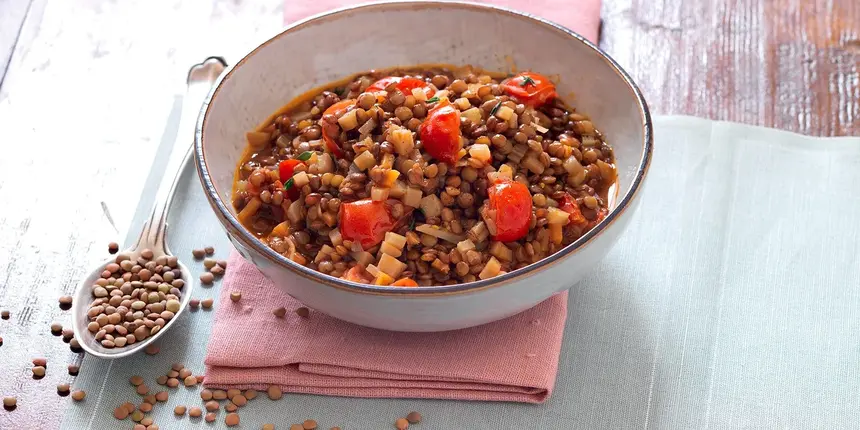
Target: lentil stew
[[424, 176]]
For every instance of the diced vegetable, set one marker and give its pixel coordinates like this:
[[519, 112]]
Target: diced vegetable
[[396, 240], [465, 245], [533, 164], [501, 252], [557, 216], [412, 197], [391, 266], [363, 258], [569, 205], [281, 230], [479, 232], [364, 160], [250, 210], [463, 103], [504, 113], [378, 194], [398, 190], [296, 211], [401, 139], [419, 94], [437, 232], [472, 114], [300, 179], [357, 274], [387, 248], [572, 166], [324, 163], [481, 152], [348, 121], [491, 270], [431, 206], [335, 237], [383, 279], [390, 178], [555, 233], [404, 282]]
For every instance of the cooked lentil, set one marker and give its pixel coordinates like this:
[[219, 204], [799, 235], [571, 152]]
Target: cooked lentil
[[420, 177]]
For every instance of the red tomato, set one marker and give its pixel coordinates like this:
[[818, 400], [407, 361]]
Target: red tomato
[[404, 282], [568, 204], [337, 110], [440, 132], [513, 205], [357, 274], [365, 221], [286, 169], [529, 88], [405, 85]]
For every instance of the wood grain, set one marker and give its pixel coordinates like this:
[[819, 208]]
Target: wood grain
[[69, 126], [789, 64]]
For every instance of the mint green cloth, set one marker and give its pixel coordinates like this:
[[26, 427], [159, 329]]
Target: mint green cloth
[[732, 301]]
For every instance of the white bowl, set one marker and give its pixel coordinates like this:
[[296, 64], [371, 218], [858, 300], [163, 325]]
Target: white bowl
[[337, 44]]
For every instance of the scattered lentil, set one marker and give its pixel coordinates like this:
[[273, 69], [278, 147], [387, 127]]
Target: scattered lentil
[[401, 424], [280, 312], [232, 419], [303, 312], [56, 329], [74, 369], [4, 314], [195, 412], [179, 410], [190, 381], [152, 349], [219, 394], [120, 413], [113, 247], [139, 427], [38, 372], [10, 402], [231, 407], [162, 396], [236, 296], [250, 394], [274, 392], [198, 253], [296, 427], [207, 303], [65, 302], [145, 407], [79, 395], [75, 346], [142, 389], [217, 270], [63, 389], [209, 250], [309, 425], [413, 417], [136, 380], [211, 405], [209, 263], [194, 303], [268, 427], [207, 278], [150, 398], [172, 382], [40, 362], [210, 417], [239, 400]]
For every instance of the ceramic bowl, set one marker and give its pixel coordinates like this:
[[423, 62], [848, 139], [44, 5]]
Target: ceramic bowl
[[334, 45]]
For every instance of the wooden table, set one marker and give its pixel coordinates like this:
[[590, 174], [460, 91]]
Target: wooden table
[[85, 88]]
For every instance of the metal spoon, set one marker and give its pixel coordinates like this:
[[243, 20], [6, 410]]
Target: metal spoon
[[200, 79]]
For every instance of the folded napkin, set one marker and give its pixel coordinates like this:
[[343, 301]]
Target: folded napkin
[[515, 359], [582, 16]]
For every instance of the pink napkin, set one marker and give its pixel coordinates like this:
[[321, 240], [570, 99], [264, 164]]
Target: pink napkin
[[515, 359], [581, 16]]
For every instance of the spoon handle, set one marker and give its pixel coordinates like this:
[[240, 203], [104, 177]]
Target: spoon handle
[[200, 79]]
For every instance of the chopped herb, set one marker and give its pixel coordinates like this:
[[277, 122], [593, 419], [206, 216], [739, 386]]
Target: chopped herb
[[527, 80], [289, 184], [433, 99], [305, 156], [496, 108], [412, 224]]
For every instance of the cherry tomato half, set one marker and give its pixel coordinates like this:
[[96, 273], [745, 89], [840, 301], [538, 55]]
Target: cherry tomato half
[[529, 88], [440, 132], [405, 85], [568, 204], [365, 221], [357, 274], [337, 110], [513, 205], [286, 169]]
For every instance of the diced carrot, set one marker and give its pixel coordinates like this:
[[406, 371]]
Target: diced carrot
[[404, 282]]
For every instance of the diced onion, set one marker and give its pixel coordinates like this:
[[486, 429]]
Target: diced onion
[[348, 121], [300, 179], [463, 103], [335, 237], [391, 266], [491, 270], [398, 189], [395, 239], [388, 248], [364, 160], [412, 197], [572, 166], [504, 113], [419, 94], [465, 245], [541, 129], [439, 233], [502, 252], [473, 114], [481, 152], [557, 216], [401, 139], [431, 206], [250, 209], [378, 194], [258, 139], [533, 164]]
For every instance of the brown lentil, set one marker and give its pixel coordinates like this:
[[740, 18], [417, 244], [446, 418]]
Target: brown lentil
[[232, 419], [120, 413], [413, 417], [303, 312], [79, 395], [179, 410], [236, 296], [162, 396], [195, 412], [207, 278], [274, 392], [198, 253], [211, 405], [401, 424], [63, 389], [210, 417]]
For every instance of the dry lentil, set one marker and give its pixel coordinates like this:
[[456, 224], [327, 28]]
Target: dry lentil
[[162, 396], [236, 296], [79, 395], [73, 369], [195, 412], [309, 425], [207, 303], [209, 250], [210, 417], [120, 413], [63, 389], [198, 253], [280, 312], [219, 394], [10, 402], [268, 427], [303, 312], [207, 278], [231, 407], [179, 410], [413, 417], [274, 392], [56, 329], [145, 407], [232, 419], [401, 424]]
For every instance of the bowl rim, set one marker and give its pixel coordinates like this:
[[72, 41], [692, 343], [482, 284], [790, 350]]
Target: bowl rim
[[238, 232]]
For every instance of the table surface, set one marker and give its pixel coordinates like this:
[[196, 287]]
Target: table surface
[[68, 67]]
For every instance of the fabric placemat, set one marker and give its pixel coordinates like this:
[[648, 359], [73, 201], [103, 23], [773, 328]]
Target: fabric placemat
[[731, 301]]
